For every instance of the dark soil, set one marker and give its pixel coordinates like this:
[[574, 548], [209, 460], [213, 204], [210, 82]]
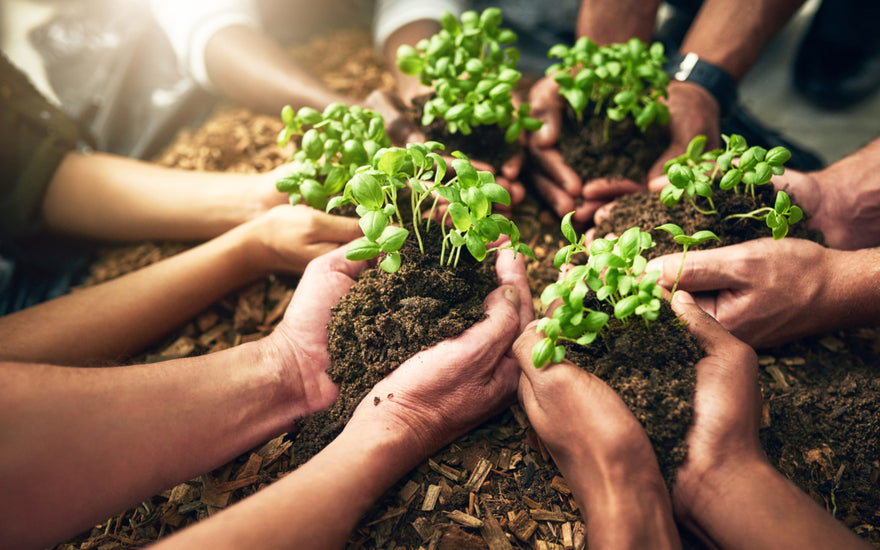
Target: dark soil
[[628, 152], [645, 210], [386, 319], [484, 143]]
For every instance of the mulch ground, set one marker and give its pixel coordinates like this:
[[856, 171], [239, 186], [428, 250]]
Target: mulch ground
[[495, 487]]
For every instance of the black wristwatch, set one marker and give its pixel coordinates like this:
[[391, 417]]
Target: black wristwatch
[[690, 68]]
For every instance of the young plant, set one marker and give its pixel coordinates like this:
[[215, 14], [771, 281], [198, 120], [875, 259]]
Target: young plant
[[685, 241], [615, 272], [375, 189], [696, 171], [472, 69], [624, 79], [333, 145]]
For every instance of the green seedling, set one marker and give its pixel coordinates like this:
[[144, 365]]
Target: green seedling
[[333, 145], [685, 241], [615, 272], [624, 79], [696, 171], [376, 187], [471, 66]]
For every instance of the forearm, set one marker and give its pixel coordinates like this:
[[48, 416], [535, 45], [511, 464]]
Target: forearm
[[626, 511], [82, 444], [615, 21], [753, 506], [315, 506], [732, 35], [115, 319], [252, 69], [106, 197], [852, 295]]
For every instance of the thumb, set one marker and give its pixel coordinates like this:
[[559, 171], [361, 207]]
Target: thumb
[[702, 270]]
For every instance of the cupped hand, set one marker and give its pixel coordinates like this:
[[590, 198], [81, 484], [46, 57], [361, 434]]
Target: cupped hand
[[585, 425], [300, 340], [692, 112], [440, 393], [289, 237], [727, 406], [759, 290]]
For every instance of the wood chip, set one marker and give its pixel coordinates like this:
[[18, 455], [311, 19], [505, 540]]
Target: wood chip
[[522, 525], [567, 537], [547, 515], [778, 377], [461, 518], [478, 476], [272, 450], [409, 490], [560, 485], [446, 471], [431, 496], [492, 532]]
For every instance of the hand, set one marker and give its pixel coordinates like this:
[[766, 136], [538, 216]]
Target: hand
[[600, 448], [300, 340], [442, 392], [727, 404], [692, 112], [752, 293], [399, 127], [288, 237], [835, 204]]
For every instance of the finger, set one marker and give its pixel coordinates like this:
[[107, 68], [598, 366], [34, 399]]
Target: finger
[[603, 213], [702, 270], [334, 229], [332, 262], [553, 165], [585, 212], [606, 189], [561, 202], [522, 350], [546, 107], [512, 271], [657, 183], [512, 167]]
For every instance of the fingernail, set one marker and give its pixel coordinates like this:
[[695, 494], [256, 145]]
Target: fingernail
[[511, 294], [683, 297]]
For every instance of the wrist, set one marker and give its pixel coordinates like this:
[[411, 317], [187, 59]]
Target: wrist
[[713, 79]]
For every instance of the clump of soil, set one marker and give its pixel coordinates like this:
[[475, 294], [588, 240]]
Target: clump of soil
[[387, 318], [652, 369], [628, 152], [485, 143], [645, 210]]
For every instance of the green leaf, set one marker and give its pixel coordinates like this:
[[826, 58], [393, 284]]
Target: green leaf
[[731, 179], [392, 238], [335, 202], [373, 224], [495, 193], [312, 144], [465, 172], [629, 242], [392, 161], [308, 116], [795, 214], [366, 190], [287, 116], [562, 256], [314, 194], [695, 148], [461, 218], [475, 245], [542, 352], [390, 263], [567, 229], [362, 249], [680, 176], [552, 292], [703, 236], [671, 228], [288, 184], [626, 307], [778, 156], [409, 61], [783, 202]]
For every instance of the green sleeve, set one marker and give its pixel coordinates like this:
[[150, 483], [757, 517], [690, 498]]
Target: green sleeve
[[35, 136]]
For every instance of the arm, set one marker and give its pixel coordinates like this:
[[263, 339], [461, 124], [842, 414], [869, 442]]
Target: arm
[[102, 196], [731, 36], [438, 395], [601, 450], [726, 491], [251, 68], [761, 289], [115, 319], [105, 438]]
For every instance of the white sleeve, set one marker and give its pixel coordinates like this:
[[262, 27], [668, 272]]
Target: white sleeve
[[189, 24], [391, 15]]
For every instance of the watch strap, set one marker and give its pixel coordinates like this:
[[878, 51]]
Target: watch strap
[[715, 80]]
